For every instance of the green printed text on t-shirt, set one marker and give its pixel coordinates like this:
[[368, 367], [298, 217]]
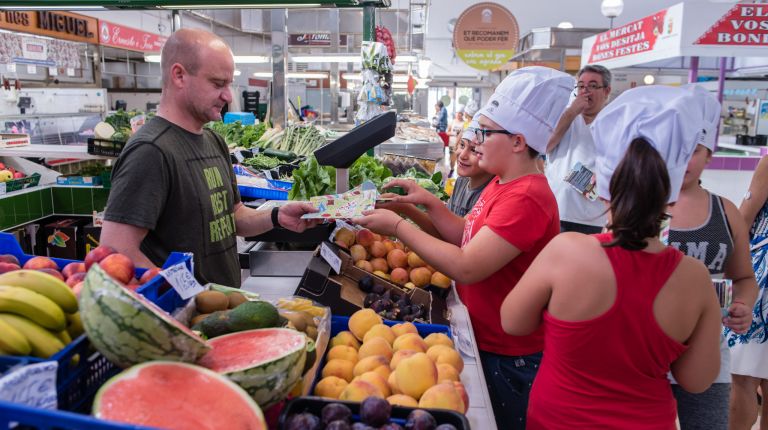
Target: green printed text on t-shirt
[[223, 226]]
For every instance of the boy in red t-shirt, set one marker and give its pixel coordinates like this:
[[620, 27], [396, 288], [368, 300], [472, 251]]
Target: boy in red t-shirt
[[514, 218]]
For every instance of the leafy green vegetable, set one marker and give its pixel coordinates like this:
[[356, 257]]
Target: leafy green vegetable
[[262, 162], [311, 179], [235, 134]]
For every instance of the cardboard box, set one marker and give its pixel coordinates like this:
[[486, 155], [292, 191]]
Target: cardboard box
[[63, 238], [91, 236], [341, 293]]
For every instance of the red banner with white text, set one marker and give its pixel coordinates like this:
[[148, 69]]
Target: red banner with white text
[[743, 25], [633, 38], [118, 36]]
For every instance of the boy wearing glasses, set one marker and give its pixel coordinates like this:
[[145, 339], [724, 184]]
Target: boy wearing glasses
[[571, 154]]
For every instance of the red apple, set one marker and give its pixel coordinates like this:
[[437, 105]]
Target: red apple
[[53, 272], [75, 278], [97, 254], [2, 166], [77, 288], [149, 274], [72, 268], [41, 263], [9, 258], [8, 267], [119, 267], [18, 175]]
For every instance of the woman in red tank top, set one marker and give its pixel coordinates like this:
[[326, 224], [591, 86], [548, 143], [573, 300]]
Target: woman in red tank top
[[622, 309]]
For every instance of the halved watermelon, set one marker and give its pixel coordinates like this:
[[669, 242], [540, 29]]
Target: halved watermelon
[[129, 329], [267, 363], [173, 395]]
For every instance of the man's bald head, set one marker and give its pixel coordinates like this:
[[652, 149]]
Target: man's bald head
[[187, 47]]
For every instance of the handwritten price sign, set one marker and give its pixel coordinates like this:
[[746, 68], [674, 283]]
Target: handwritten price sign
[[182, 280]]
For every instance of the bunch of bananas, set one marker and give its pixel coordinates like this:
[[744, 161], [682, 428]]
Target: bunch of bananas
[[38, 314]]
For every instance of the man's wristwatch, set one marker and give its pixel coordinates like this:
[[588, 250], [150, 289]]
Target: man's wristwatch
[[275, 221]]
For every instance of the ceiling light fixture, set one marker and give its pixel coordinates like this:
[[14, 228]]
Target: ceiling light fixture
[[294, 75], [649, 79], [246, 6], [239, 59]]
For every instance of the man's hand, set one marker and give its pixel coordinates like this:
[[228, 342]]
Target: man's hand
[[379, 221], [414, 193], [289, 217], [739, 318], [579, 104]]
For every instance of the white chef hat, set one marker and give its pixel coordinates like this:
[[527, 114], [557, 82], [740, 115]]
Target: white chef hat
[[669, 119], [471, 108], [529, 102], [708, 102], [469, 132]]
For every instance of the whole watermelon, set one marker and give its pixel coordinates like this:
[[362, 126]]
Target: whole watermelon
[[267, 363], [129, 329], [172, 395]]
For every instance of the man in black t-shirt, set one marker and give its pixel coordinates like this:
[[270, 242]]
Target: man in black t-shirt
[[173, 188]]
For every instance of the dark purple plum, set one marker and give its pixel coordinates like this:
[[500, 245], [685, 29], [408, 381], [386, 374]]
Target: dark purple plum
[[335, 412], [375, 411]]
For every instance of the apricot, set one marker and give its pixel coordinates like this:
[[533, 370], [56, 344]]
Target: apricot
[[345, 338], [420, 276], [343, 352], [416, 374], [389, 244], [399, 356], [442, 396], [440, 280], [376, 346], [410, 341], [365, 237], [382, 331], [445, 354], [370, 363], [446, 372], [392, 381], [345, 236], [340, 368], [397, 258], [377, 381], [362, 321], [358, 390], [358, 252], [399, 245], [378, 249], [330, 387], [438, 339], [365, 265], [463, 392], [402, 400], [403, 328], [415, 261], [381, 274], [379, 265], [399, 275]]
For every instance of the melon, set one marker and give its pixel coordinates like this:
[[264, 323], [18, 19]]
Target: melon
[[129, 329], [267, 363], [173, 395]]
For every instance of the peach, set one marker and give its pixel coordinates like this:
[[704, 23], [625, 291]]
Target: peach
[[345, 236], [118, 266], [402, 400], [40, 263], [377, 237], [72, 268], [345, 338], [9, 258], [374, 347], [420, 276], [370, 363], [445, 354], [389, 244], [377, 381], [415, 261], [399, 245], [339, 368], [365, 237], [358, 252], [416, 374], [446, 372], [392, 382], [362, 321], [75, 278], [379, 264], [331, 387], [438, 339], [442, 396], [440, 280], [403, 328], [378, 249], [380, 330], [97, 254], [149, 274], [358, 390], [53, 272], [77, 288], [8, 267], [411, 341], [343, 352], [399, 275], [341, 244], [399, 356], [463, 392], [365, 265], [397, 258]]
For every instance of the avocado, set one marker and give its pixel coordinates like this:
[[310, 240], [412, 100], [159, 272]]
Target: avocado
[[253, 315], [216, 324]]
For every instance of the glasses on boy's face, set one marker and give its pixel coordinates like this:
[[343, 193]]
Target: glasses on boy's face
[[480, 134]]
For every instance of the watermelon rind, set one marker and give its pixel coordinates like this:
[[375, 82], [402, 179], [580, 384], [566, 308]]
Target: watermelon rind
[[268, 381], [129, 329], [134, 372]]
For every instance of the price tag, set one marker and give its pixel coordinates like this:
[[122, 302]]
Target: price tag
[[11, 67], [53, 71], [32, 385], [70, 71], [182, 280], [331, 257], [2, 188]]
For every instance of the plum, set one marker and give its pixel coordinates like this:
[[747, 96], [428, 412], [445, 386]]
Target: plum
[[335, 412], [370, 299], [378, 289], [420, 420], [338, 425], [303, 421], [391, 426], [361, 426], [446, 427], [375, 411], [365, 283]]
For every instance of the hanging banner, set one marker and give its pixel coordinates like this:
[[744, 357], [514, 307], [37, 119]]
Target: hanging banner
[[743, 25], [633, 38], [41, 51], [485, 36], [56, 24], [314, 39], [118, 36]]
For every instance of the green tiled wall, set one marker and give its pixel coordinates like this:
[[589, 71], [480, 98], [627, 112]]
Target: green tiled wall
[[23, 208]]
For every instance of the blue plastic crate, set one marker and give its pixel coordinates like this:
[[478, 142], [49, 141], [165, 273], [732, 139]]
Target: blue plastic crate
[[245, 118], [42, 419], [279, 190], [168, 300]]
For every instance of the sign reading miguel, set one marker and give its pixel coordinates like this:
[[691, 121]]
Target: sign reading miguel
[[633, 38], [743, 25], [118, 36], [56, 24]]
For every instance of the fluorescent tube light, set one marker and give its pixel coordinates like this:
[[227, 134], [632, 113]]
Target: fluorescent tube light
[[239, 59], [333, 58], [246, 6], [294, 75]]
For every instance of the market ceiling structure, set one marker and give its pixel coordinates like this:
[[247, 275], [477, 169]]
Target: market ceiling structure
[[194, 4]]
